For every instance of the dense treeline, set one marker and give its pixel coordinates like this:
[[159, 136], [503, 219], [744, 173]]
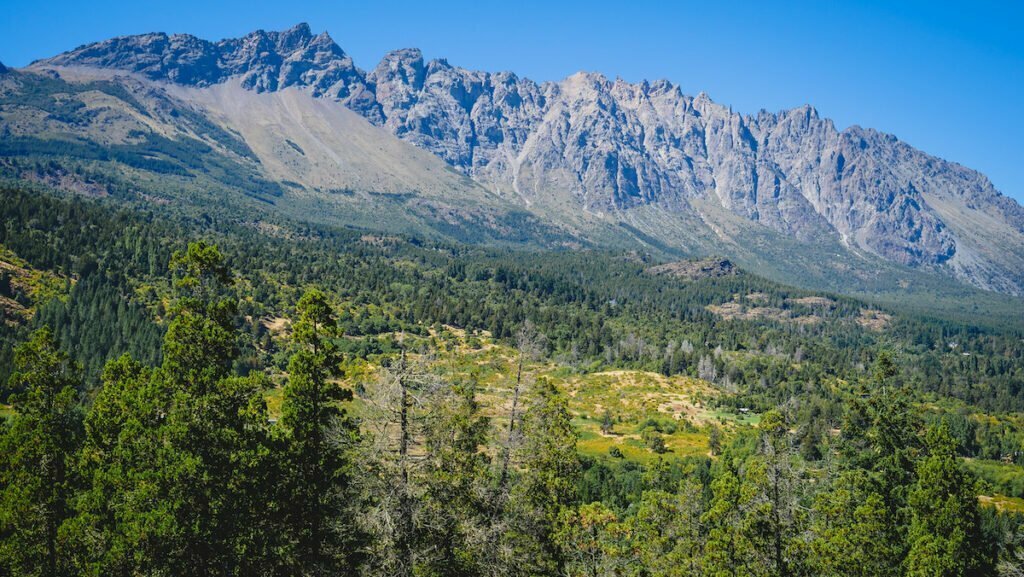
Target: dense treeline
[[164, 460], [177, 469], [596, 308]]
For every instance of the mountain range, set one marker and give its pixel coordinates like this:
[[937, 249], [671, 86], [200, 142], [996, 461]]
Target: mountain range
[[586, 161]]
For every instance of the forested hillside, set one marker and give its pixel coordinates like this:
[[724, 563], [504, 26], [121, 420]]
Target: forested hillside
[[192, 394]]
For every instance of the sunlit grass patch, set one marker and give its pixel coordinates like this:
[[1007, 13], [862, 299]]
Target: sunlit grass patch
[[651, 415], [1003, 503], [274, 398]]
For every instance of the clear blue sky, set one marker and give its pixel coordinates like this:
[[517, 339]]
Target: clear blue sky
[[947, 77]]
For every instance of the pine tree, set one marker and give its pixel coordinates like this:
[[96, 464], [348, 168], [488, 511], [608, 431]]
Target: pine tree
[[217, 425], [945, 533], [124, 524], [848, 518], [880, 434], [729, 549], [593, 540], [777, 515], [607, 423], [546, 485], [37, 451], [317, 498], [666, 531], [200, 345], [208, 474], [714, 439]]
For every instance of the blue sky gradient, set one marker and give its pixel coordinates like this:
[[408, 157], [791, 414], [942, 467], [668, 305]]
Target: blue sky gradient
[[946, 77]]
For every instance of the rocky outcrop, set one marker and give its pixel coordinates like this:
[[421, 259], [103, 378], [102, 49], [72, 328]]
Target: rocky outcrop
[[609, 146], [613, 145], [695, 269], [265, 61]]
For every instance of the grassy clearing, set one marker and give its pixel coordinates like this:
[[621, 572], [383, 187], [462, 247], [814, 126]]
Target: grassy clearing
[[1003, 503], [642, 405], [274, 398], [39, 286]]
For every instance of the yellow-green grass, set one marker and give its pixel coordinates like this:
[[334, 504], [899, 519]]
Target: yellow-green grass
[[724, 417], [40, 286], [636, 400], [640, 403], [274, 398], [1003, 503], [630, 444]]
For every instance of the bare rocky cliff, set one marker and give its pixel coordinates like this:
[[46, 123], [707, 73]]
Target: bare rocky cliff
[[610, 147]]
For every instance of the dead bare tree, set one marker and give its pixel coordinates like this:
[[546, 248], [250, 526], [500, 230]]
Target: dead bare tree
[[396, 407], [530, 345]]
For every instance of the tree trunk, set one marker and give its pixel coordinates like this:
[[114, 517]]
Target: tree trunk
[[507, 454], [405, 502]]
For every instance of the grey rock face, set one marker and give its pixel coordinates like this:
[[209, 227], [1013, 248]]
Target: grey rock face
[[615, 145], [265, 61], [609, 146]]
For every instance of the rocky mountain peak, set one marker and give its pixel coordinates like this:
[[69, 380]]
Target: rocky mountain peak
[[612, 146], [264, 60], [586, 83], [299, 36], [398, 76]]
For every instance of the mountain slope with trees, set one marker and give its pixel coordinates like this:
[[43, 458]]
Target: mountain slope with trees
[[326, 401]]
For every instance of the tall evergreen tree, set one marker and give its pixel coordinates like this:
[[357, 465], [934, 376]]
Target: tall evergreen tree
[[593, 540], [318, 496], [848, 517], [666, 531], [880, 434], [124, 523], [730, 547], [780, 519], [37, 453], [546, 485], [217, 424], [200, 345], [945, 535]]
